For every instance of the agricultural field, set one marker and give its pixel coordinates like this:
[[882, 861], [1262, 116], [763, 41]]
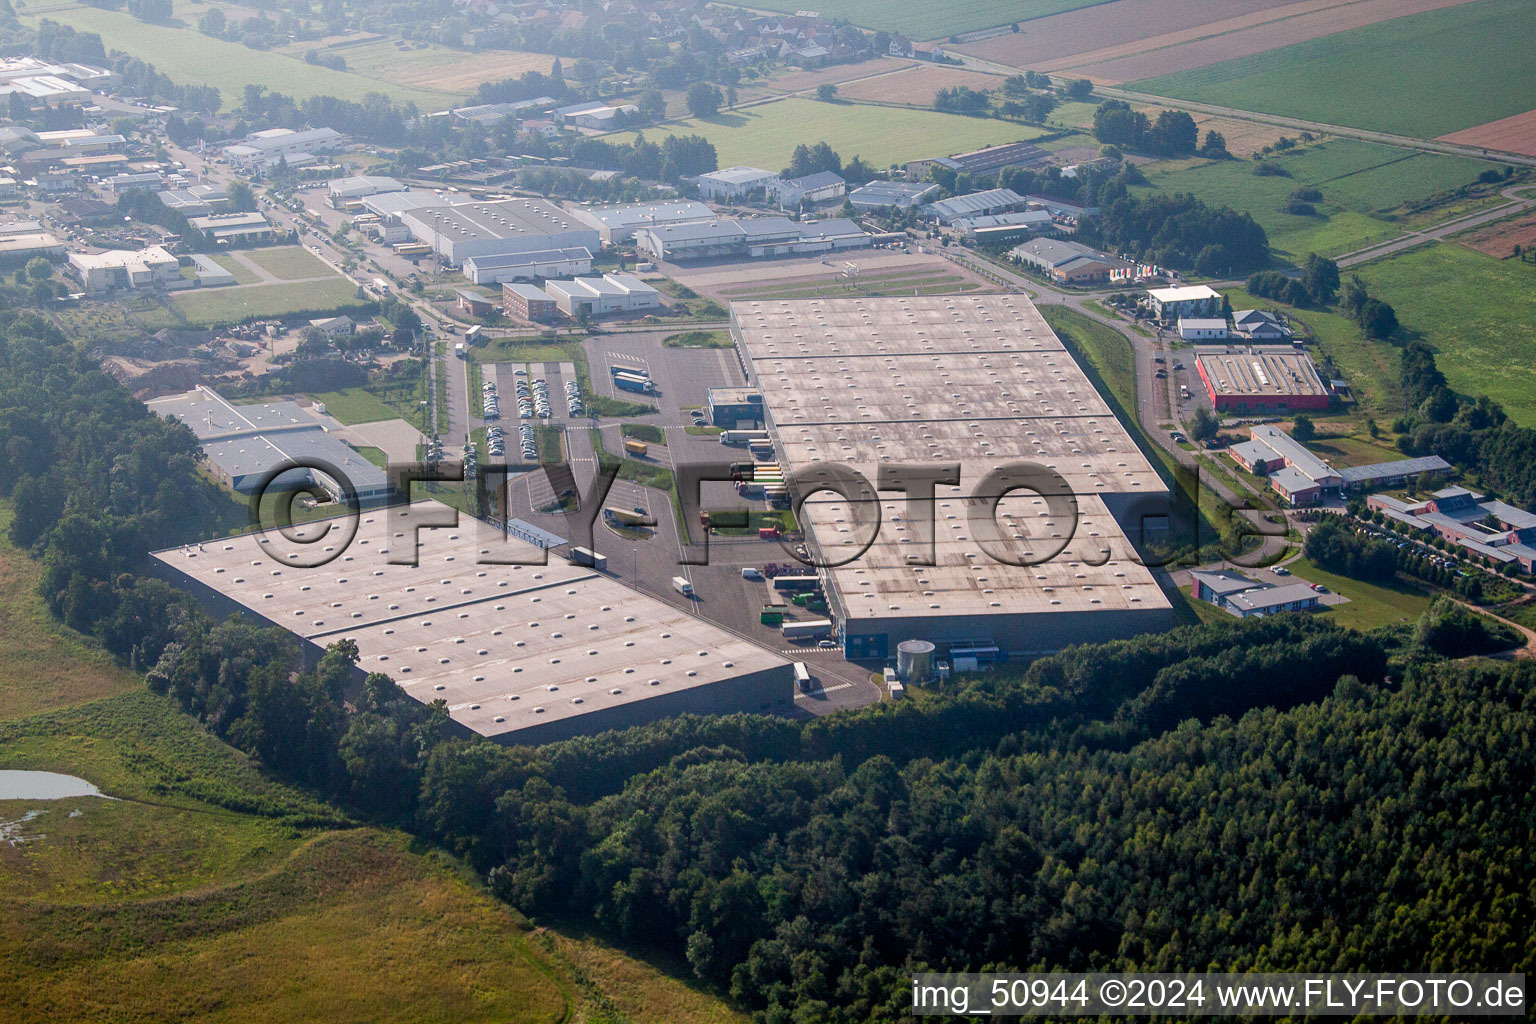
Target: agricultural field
[[933, 21], [430, 67], [1240, 37], [1499, 239], [766, 135], [1460, 58], [190, 57], [287, 262], [1477, 312], [1112, 29], [1364, 187], [210, 306], [1516, 134], [916, 85]]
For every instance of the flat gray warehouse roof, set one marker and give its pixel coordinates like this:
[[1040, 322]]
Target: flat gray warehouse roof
[[977, 380], [517, 651]]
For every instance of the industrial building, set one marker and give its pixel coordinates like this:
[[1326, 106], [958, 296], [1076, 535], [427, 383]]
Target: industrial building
[[358, 186], [520, 653], [982, 161], [1261, 381], [882, 195], [494, 228], [208, 273], [974, 204], [1202, 328], [821, 187], [616, 225], [1259, 325], [1245, 598], [1169, 304], [1001, 226], [595, 115], [734, 182], [50, 82], [494, 113], [525, 266], [1302, 478], [975, 380], [1069, 262], [602, 296], [195, 200], [735, 407], [245, 442], [25, 245], [123, 268], [234, 228], [117, 184], [263, 150], [528, 302], [757, 237]]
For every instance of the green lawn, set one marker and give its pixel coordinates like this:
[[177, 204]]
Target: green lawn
[[207, 307], [766, 135], [189, 57], [243, 274], [1479, 313], [933, 20], [1424, 75], [1370, 604], [369, 405], [1364, 186], [288, 262]]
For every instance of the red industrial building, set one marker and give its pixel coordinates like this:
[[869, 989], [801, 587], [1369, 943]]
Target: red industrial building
[[1246, 381]]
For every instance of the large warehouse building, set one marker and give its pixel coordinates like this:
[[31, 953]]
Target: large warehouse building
[[983, 382], [520, 653], [459, 232]]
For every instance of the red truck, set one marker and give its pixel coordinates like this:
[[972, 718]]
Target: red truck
[[768, 533]]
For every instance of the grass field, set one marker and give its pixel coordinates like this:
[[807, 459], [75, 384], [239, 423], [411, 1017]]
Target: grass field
[[208, 306], [287, 262], [1479, 313], [766, 135], [1424, 75], [59, 669], [189, 57], [243, 274], [208, 892], [932, 20], [1362, 184], [1370, 604], [363, 405]]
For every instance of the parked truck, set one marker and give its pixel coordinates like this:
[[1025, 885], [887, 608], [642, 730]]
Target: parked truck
[[624, 516], [682, 586], [810, 629], [586, 556], [629, 382], [742, 436]]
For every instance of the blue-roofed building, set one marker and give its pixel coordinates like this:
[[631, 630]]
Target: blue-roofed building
[[821, 187], [975, 204], [903, 195]]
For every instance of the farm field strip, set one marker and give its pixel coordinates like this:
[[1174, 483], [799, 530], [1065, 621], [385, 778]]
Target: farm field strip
[[916, 85], [1499, 239], [189, 57], [932, 20], [1322, 20], [1106, 26], [1459, 56], [766, 135]]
